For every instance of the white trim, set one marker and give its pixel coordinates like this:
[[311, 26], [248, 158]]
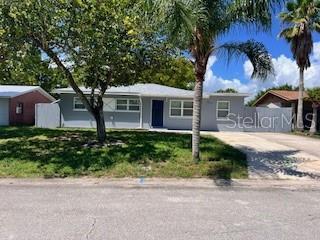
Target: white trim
[[35, 88], [182, 108], [205, 96], [229, 94], [141, 112], [217, 110], [150, 119], [127, 105], [77, 109]]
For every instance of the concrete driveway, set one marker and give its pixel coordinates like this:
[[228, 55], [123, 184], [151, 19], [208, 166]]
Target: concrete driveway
[[277, 155]]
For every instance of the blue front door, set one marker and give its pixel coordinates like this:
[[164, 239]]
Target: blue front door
[[157, 113]]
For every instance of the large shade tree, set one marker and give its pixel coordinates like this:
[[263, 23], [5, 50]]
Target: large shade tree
[[97, 44], [301, 18], [26, 67], [195, 25], [174, 72]]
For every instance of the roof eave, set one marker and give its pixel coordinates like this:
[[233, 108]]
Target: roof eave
[[229, 94]]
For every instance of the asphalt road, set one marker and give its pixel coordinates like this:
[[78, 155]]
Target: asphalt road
[[81, 210]]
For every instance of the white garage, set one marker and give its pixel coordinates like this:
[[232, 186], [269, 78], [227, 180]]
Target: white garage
[[4, 111]]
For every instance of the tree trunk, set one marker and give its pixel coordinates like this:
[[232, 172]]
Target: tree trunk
[[97, 111], [313, 128], [300, 125], [99, 117], [101, 126], [196, 120]]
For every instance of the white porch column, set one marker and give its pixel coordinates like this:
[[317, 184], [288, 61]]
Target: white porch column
[[141, 112]]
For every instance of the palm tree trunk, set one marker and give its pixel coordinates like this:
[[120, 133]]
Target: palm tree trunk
[[300, 125], [313, 128], [196, 120]]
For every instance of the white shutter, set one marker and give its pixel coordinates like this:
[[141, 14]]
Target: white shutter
[[109, 104]]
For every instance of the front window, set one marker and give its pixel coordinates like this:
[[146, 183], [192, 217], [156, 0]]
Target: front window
[[131, 105], [180, 108], [78, 105], [223, 109]]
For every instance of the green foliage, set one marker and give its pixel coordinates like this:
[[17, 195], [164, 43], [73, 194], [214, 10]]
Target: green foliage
[[314, 94], [300, 19], [195, 26], [261, 93], [62, 153], [98, 44], [24, 66], [256, 53], [175, 72], [227, 90]]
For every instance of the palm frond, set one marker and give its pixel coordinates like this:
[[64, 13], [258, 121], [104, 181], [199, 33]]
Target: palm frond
[[180, 17], [289, 33], [257, 13], [255, 52]]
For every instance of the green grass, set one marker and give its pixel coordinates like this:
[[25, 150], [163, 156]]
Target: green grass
[[307, 134], [33, 152]]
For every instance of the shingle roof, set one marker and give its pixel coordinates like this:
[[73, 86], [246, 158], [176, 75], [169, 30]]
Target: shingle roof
[[288, 95], [152, 89], [146, 90], [9, 91]]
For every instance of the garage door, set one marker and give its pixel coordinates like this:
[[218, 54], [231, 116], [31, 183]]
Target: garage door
[[4, 112]]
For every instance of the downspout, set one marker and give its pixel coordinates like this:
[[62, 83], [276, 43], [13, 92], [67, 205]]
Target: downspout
[[141, 112]]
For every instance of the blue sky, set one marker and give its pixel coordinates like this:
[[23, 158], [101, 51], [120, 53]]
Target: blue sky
[[276, 47]]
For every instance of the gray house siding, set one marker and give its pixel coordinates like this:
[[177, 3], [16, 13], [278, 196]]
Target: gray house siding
[[209, 119], [114, 119], [72, 118]]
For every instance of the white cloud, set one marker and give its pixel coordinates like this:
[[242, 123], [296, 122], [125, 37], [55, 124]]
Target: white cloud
[[286, 71]]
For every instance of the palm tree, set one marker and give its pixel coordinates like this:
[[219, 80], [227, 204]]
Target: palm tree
[[314, 97], [301, 18], [195, 25]]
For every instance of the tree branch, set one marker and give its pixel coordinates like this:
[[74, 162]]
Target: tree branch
[[44, 46]]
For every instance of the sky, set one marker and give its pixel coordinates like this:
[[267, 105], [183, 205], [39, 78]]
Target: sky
[[237, 74]]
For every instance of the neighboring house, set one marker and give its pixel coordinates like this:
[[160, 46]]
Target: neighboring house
[[285, 98], [17, 103], [152, 106]]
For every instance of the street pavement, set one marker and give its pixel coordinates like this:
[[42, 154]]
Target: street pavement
[[137, 209]]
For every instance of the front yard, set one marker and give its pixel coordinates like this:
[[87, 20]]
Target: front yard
[[307, 134], [32, 152]]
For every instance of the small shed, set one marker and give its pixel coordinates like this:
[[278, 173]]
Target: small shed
[[285, 98], [17, 103]]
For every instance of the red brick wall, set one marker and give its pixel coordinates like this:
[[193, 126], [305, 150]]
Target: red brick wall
[[29, 101]]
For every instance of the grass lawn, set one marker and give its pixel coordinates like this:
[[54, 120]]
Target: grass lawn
[[307, 134], [33, 152]]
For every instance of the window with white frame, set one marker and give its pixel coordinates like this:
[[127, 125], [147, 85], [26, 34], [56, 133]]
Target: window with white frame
[[223, 109], [130, 105], [78, 105], [181, 108]]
